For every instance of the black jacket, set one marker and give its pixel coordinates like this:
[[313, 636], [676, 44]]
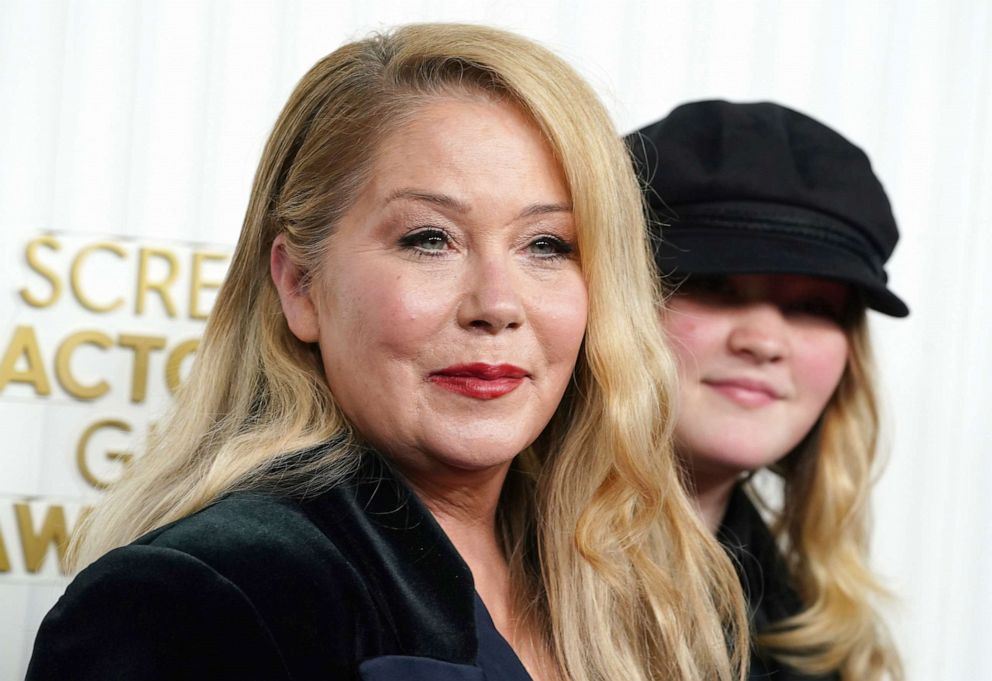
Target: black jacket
[[766, 582], [358, 582]]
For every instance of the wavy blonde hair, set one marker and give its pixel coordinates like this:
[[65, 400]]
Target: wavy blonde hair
[[823, 528], [606, 554]]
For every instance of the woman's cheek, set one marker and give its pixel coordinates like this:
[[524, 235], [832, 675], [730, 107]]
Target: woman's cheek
[[560, 316]]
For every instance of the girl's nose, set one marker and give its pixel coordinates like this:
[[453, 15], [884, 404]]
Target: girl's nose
[[761, 333]]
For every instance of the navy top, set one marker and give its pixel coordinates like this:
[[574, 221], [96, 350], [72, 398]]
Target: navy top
[[496, 658]]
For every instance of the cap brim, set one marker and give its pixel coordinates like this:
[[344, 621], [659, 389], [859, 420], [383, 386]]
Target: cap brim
[[694, 249]]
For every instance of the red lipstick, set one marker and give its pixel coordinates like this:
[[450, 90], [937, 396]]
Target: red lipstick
[[478, 380]]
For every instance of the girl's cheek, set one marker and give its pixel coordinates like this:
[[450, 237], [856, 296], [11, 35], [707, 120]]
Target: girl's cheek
[[824, 364]]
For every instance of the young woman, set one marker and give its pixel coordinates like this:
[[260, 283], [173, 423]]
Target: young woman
[[422, 437], [773, 236]]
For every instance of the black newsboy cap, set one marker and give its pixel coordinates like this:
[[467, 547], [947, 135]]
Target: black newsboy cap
[[760, 188]]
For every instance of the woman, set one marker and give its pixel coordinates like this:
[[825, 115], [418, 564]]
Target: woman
[[778, 234], [425, 435]]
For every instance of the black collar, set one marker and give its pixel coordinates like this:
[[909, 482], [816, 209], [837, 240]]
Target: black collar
[[414, 572], [762, 570]]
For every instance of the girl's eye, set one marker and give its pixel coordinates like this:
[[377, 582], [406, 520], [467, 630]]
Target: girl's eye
[[547, 246], [428, 241], [709, 287], [813, 307]]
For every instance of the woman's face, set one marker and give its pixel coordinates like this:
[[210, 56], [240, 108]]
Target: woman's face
[[451, 305], [759, 356]]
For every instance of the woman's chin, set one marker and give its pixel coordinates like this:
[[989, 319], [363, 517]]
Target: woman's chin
[[476, 455]]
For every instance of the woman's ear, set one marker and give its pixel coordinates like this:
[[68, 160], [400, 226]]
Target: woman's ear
[[297, 305]]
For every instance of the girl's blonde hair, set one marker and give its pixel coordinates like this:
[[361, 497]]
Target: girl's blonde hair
[[606, 555], [823, 528]]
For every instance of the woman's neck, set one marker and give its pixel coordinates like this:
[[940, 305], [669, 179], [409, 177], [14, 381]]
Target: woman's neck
[[464, 504], [465, 508]]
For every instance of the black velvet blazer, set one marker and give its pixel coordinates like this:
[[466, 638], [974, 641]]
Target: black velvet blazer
[[358, 582], [766, 581]]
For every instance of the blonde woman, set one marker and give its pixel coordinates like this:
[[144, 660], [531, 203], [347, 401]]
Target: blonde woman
[[426, 435], [778, 232]]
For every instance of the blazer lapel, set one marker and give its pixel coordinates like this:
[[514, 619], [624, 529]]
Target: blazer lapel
[[423, 587]]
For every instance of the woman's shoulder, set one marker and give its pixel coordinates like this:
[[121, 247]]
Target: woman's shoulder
[[246, 588], [245, 533], [309, 584]]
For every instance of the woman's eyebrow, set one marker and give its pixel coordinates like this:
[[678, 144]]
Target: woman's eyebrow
[[543, 208], [442, 200], [450, 202]]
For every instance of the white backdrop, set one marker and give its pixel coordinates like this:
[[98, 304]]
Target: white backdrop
[[129, 132]]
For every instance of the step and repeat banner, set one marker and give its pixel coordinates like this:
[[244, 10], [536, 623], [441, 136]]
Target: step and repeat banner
[[99, 332]]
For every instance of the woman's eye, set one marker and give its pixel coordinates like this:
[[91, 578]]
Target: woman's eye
[[548, 246], [428, 241]]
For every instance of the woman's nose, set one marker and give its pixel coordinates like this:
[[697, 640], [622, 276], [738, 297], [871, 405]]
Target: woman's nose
[[491, 300], [760, 333]]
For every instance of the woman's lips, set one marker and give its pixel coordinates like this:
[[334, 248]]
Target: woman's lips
[[478, 380], [745, 392]]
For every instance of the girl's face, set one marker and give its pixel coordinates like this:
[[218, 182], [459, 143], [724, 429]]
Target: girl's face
[[759, 357]]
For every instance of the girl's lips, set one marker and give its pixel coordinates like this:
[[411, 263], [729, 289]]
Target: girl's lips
[[478, 380], [745, 392]]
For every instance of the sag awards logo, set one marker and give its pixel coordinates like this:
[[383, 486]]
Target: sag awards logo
[[103, 332]]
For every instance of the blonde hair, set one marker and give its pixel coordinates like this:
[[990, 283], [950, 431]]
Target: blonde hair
[[605, 552], [823, 528]]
